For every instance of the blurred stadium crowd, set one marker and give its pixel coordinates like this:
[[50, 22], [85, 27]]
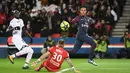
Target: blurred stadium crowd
[[43, 17]]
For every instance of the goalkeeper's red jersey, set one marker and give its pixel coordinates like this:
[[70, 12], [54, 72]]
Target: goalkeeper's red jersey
[[55, 60]]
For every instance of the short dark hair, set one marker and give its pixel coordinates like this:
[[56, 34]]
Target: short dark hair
[[61, 42], [83, 6]]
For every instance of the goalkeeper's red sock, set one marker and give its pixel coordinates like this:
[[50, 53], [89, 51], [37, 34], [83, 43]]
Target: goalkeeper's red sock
[[39, 68]]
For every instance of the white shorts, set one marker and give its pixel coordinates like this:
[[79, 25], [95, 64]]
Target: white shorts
[[18, 42]]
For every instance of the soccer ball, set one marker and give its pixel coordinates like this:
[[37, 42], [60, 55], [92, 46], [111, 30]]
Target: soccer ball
[[64, 25]]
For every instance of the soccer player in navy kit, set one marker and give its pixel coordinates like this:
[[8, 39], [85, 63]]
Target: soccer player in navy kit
[[82, 36]]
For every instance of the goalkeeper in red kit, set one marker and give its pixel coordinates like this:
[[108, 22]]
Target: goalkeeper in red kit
[[56, 55]]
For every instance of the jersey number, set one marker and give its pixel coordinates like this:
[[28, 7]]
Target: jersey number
[[57, 57]]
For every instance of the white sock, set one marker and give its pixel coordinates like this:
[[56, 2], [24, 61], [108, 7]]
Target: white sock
[[26, 64], [14, 56]]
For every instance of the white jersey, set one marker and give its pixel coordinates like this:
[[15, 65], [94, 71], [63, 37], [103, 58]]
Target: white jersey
[[17, 34], [15, 23]]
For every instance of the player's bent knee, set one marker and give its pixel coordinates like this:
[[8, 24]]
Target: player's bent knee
[[31, 51]]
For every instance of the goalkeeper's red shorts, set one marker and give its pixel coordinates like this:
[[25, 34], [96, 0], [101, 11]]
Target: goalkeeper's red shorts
[[50, 67]]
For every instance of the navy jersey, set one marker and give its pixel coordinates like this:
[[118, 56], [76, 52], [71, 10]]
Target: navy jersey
[[83, 23]]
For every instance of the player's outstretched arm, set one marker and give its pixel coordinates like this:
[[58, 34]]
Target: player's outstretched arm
[[43, 56], [91, 21], [27, 32], [71, 65], [75, 20], [24, 29]]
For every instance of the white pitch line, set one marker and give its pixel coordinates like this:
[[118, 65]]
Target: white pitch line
[[64, 70], [113, 68], [104, 63], [103, 68]]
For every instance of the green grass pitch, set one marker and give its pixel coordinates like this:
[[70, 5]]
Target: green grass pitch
[[104, 66]]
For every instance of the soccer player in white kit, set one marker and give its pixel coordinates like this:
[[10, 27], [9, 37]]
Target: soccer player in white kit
[[17, 26]]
